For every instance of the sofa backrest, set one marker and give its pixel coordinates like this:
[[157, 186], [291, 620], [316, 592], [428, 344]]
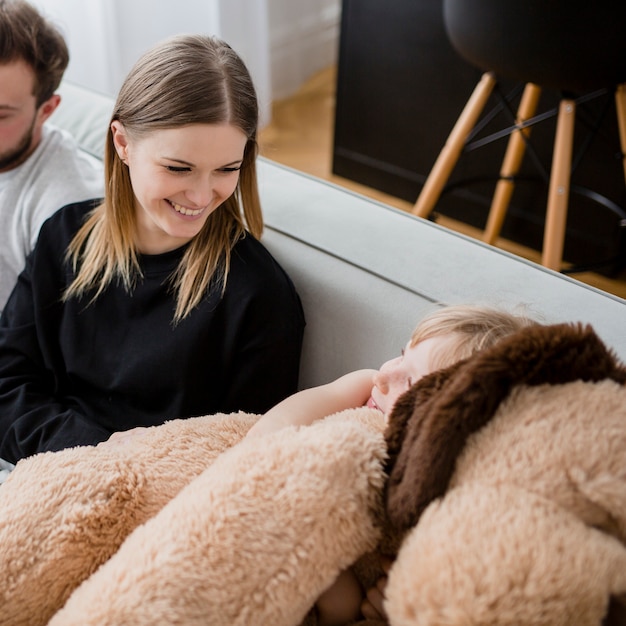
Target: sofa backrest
[[86, 114], [367, 273]]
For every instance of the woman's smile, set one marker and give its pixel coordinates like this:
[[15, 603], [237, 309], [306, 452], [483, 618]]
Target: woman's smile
[[179, 176], [187, 211]]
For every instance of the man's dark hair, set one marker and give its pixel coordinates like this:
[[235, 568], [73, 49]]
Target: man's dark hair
[[25, 34]]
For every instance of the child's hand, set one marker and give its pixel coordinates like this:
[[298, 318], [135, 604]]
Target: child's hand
[[372, 607], [124, 437]]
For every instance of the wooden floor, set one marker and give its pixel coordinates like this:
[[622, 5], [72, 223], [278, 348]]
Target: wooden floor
[[301, 135]]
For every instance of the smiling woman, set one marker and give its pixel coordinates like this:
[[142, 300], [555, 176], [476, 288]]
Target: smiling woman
[[159, 301], [180, 176]]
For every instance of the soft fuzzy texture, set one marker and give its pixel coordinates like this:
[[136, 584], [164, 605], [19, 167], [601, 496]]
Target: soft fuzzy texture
[[500, 556], [507, 498], [563, 442], [63, 514], [521, 518], [254, 539], [432, 422]]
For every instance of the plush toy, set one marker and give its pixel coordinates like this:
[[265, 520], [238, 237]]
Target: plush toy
[[500, 483], [507, 480]]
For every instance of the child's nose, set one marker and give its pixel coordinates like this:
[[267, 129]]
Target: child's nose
[[381, 381]]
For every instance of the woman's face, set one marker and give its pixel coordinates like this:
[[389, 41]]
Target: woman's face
[[179, 177]]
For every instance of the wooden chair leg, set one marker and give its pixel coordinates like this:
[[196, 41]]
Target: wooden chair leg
[[620, 105], [451, 151], [558, 193], [510, 165]]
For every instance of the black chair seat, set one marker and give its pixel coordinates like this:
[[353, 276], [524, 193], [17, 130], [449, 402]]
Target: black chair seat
[[575, 47], [570, 46]]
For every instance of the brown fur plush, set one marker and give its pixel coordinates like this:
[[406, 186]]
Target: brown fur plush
[[512, 497], [431, 423]]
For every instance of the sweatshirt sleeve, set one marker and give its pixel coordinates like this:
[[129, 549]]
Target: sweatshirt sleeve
[[266, 362], [32, 418]]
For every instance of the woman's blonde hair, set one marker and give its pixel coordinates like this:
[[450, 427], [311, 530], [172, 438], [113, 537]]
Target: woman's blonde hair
[[187, 79], [474, 328]]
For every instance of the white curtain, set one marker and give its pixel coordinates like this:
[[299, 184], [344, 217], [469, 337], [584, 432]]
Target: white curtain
[[106, 37], [281, 41]]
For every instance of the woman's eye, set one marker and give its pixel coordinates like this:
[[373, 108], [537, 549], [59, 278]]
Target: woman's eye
[[177, 169], [228, 170]]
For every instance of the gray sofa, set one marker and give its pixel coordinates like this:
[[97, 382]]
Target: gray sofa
[[367, 272]]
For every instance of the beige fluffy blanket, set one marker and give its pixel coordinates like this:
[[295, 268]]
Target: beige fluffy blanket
[[255, 533], [506, 488]]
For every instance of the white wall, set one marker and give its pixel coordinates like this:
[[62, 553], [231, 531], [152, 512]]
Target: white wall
[[304, 38], [283, 42]]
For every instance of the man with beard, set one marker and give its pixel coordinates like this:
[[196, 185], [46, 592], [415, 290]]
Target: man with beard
[[41, 167]]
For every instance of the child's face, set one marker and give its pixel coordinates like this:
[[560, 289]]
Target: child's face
[[396, 376]]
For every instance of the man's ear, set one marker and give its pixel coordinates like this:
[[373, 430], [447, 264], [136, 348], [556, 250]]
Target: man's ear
[[48, 107], [120, 139]]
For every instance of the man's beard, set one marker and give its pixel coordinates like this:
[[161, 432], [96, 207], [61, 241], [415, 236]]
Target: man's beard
[[15, 156]]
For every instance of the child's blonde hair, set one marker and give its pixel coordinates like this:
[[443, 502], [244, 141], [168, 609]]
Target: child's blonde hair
[[475, 327]]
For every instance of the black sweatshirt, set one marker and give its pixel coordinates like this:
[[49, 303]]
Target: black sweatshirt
[[72, 373]]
